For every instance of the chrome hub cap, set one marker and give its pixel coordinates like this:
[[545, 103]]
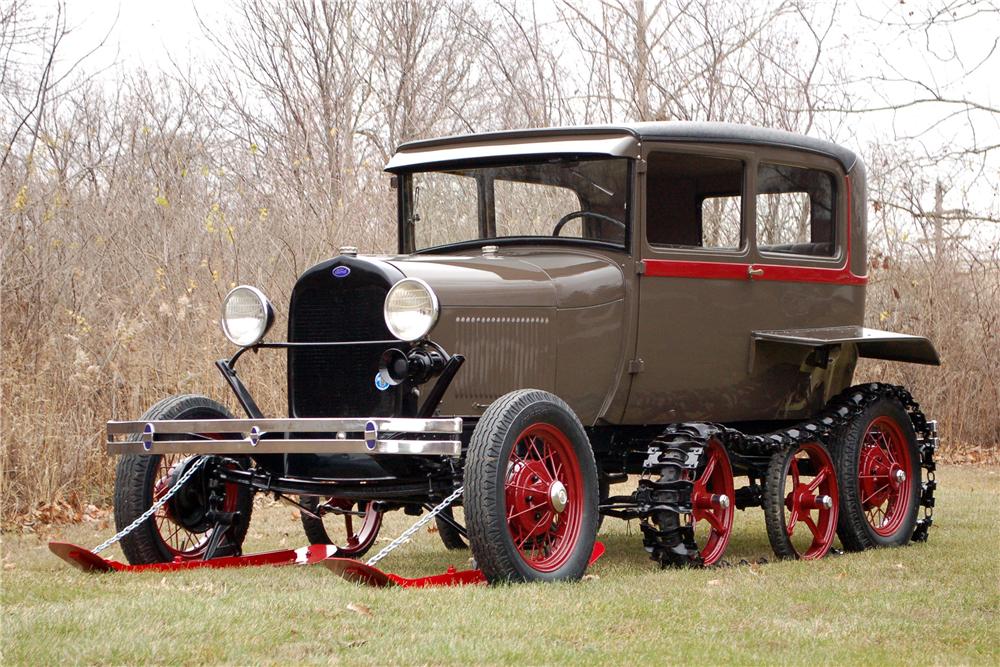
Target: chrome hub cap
[[558, 496]]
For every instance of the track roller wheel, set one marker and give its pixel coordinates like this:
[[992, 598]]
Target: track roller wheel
[[712, 508], [801, 502]]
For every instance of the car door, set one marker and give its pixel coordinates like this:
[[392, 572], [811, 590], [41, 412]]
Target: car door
[[696, 309]]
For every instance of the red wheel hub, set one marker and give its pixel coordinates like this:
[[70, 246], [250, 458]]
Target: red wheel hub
[[884, 483], [813, 502], [712, 502], [544, 495], [358, 537], [184, 544]]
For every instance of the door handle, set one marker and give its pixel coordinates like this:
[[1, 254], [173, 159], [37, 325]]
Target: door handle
[[754, 272]]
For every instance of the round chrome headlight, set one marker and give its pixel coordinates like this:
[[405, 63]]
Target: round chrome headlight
[[411, 309], [246, 315]]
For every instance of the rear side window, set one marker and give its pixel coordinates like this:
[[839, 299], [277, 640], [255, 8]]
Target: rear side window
[[796, 211], [694, 201]]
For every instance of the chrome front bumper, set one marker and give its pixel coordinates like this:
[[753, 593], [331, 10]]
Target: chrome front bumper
[[275, 436]]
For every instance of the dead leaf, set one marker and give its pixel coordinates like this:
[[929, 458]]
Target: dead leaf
[[356, 643], [899, 566], [714, 582], [359, 608], [590, 577]]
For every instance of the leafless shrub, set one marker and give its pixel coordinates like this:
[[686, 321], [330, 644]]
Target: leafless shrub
[[129, 211]]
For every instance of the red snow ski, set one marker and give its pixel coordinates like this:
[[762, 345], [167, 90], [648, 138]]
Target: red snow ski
[[88, 561], [361, 573]]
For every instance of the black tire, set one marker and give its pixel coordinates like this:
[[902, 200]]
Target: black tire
[[776, 491], [451, 538], [853, 527], [317, 533], [486, 472], [134, 480]]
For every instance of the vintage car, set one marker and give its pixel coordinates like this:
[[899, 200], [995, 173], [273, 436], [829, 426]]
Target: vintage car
[[683, 302]]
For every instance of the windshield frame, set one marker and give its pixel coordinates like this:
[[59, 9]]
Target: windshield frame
[[404, 181]]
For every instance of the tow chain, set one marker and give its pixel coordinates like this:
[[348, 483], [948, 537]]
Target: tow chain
[[667, 542], [392, 546], [409, 532], [153, 508]]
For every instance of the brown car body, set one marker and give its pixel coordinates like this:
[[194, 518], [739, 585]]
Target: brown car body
[[646, 334]]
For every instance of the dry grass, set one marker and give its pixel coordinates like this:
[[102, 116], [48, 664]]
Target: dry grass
[[933, 603]]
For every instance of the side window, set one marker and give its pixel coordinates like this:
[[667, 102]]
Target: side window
[[694, 201], [444, 208], [796, 211]]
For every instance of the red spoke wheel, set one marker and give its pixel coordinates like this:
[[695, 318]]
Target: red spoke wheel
[[181, 523], [801, 502], [350, 525], [878, 469], [544, 497], [883, 470], [181, 528], [712, 509], [531, 490]]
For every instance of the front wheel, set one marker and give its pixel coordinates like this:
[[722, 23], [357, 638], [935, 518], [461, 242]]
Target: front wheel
[[182, 528], [531, 500]]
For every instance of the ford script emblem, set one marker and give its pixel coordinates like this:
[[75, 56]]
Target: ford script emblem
[[342, 272]]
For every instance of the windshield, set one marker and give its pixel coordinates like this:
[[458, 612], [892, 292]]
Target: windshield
[[555, 198]]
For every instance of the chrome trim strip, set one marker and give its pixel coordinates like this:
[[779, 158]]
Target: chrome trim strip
[[302, 425], [312, 446]]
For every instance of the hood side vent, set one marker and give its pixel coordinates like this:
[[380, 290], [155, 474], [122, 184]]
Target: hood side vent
[[503, 353]]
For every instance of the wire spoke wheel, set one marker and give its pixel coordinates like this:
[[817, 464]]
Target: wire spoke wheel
[[531, 490], [181, 538], [182, 528], [544, 498], [801, 502], [884, 467], [712, 510], [878, 471], [350, 525]]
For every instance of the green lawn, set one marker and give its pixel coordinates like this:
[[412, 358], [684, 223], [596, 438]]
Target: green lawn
[[930, 604]]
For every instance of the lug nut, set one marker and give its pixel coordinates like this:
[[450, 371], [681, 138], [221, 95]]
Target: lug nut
[[900, 476]]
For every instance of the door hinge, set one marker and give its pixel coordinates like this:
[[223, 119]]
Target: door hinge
[[640, 267], [636, 366], [640, 166]]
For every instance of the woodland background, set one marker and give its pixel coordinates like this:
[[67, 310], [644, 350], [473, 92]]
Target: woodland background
[[128, 210]]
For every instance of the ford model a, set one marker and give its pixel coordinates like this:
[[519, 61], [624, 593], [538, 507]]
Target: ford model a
[[682, 302]]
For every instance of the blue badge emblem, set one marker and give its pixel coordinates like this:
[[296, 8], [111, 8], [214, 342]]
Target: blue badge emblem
[[342, 272], [371, 436], [380, 383]]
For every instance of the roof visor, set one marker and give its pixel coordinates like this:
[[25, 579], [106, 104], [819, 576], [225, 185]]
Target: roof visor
[[442, 152]]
